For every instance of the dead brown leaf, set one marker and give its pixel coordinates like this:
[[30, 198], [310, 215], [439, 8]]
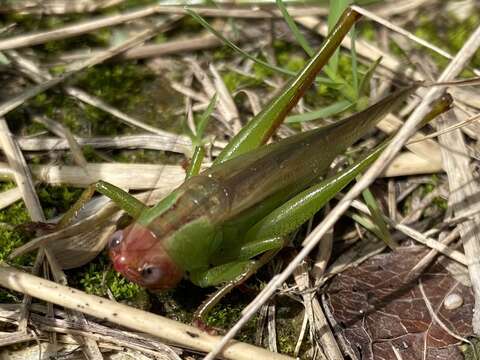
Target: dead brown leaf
[[379, 309]]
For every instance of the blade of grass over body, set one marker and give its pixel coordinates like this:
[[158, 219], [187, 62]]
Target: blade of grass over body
[[261, 127], [335, 10], [199, 149]]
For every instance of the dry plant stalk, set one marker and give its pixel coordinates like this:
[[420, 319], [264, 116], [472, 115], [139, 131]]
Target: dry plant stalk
[[169, 330], [123, 175], [463, 190], [21, 173]]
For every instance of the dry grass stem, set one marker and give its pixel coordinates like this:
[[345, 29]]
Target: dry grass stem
[[427, 259], [256, 11], [75, 29], [408, 163], [178, 144], [458, 125], [227, 111], [22, 175], [8, 197], [123, 175], [225, 100], [202, 42], [319, 326], [364, 49], [57, 6], [463, 191], [401, 7], [429, 150], [64, 132], [91, 348], [169, 330]]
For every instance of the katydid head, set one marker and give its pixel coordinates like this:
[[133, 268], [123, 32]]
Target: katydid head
[[138, 255]]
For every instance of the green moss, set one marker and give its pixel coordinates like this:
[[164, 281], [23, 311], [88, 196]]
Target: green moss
[[11, 236], [225, 315], [57, 199], [15, 214], [98, 276], [10, 239], [117, 84]]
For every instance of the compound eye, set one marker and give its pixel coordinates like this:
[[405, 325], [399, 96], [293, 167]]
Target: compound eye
[[151, 274], [116, 239]]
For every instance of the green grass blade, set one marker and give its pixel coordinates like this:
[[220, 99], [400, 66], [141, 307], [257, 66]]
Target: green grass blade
[[196, 162], [336, 9], [333, 109], [366, 222], [205, 117], [199, 149], [363, 89], [353, 51], [294, 29], [377, 218]]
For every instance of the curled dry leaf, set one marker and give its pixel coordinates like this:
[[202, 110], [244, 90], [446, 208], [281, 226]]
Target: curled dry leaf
[[378, 307]]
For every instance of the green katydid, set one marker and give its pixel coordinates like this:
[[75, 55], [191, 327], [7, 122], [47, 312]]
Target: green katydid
[[213, 228]]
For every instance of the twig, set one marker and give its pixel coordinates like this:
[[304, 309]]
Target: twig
[[170, 330]]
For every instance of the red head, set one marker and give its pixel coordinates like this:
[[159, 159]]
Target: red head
[[137, 254]]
